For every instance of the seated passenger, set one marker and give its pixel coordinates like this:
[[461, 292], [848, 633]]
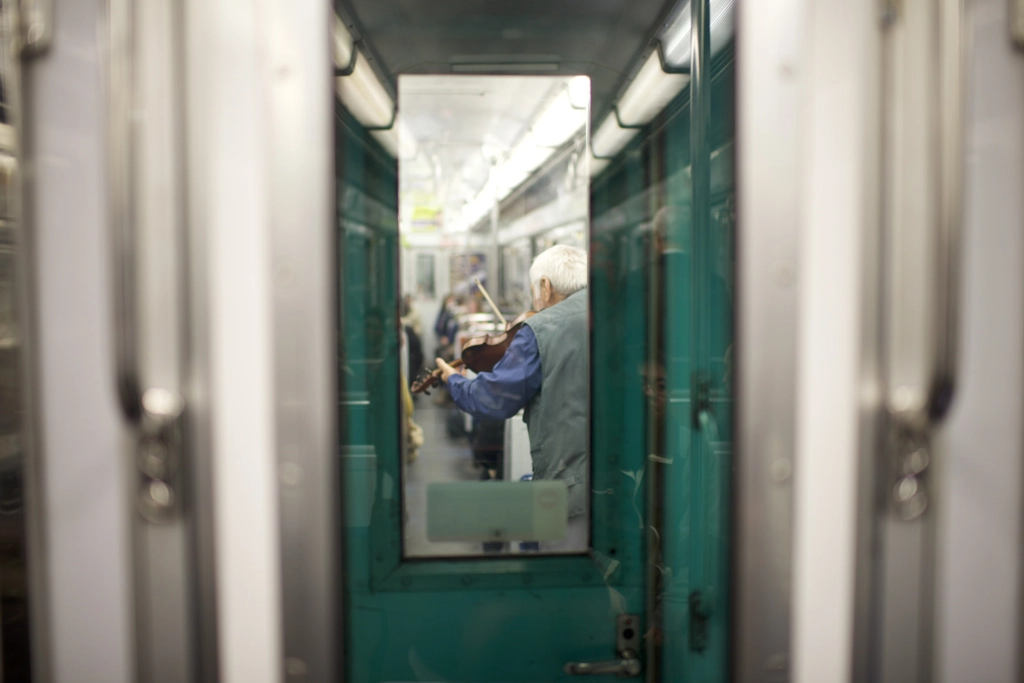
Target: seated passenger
[[545, 371]]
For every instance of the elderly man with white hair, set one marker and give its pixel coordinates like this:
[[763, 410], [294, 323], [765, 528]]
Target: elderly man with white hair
[[545, 371]]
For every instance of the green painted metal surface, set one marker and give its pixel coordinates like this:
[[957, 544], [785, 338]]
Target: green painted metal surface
[[661, 295], [507, 619]]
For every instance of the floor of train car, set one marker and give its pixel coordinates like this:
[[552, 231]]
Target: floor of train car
[[441, 459]]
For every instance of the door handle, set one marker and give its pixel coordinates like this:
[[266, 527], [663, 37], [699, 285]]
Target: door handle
[[154, 407], [628, 666], [915, 407]]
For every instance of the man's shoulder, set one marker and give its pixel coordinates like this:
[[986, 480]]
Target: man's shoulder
[[575, 305], [560, 318]]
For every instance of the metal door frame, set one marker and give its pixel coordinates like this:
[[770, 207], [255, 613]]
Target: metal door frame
[[77, 492], [770, 86], [303, 246], [909, 335]]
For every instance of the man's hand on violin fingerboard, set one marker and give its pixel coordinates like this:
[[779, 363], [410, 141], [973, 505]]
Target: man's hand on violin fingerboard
[[447, 370]]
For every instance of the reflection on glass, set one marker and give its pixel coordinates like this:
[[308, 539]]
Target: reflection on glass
[[497, 191], [14, 606]]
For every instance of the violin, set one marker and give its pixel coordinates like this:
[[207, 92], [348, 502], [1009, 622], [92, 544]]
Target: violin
[[479, 354]]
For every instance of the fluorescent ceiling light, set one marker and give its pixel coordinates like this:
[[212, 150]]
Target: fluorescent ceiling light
[[364, 96], [397, 140], [563, 118], [558, 122], [475, 209], [579, 92], [652, 89], [649, 93], [510, 179], [676, 40], [527, 155], [341, 43], [497, 68], [388, 139], [609, 138]]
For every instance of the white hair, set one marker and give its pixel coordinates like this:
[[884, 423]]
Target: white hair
[[565, 268]]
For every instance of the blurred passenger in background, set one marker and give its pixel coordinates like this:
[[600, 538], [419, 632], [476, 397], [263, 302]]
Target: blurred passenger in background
[[410, 316], [446, 327], [413, 330]]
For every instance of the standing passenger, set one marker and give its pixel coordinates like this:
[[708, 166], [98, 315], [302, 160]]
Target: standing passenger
[[545, 370]]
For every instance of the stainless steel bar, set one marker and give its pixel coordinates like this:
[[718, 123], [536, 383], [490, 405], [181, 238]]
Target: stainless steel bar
[[772, 71], [952, 44], [147, 204], [923, 68], [627, 666], [120, 145], [1017, 22], [304, 342]]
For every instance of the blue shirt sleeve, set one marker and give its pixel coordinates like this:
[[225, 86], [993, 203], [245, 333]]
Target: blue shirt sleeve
[[501, 393]]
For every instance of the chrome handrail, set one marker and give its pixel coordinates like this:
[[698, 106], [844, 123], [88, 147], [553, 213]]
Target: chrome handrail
[[950, 222], [120, 140], [915, 409], [154, 412]]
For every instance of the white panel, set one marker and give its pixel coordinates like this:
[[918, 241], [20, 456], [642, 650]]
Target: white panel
[[837, 148], [769, 72], [978, 594], [497, 511], [229, 82], [84, 493]]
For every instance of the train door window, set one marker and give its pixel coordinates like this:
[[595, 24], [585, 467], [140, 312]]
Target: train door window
[[485, 499], [425, 276], [516, 257], [490, 464]]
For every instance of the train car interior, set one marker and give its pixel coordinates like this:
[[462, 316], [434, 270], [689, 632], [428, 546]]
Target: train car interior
[[383, 341], [475, 164]]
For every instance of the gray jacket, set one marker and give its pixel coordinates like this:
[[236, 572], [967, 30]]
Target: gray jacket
[[558, 416]]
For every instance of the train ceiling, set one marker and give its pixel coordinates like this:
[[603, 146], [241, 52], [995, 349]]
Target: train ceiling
[[602, 39], [461, 125]]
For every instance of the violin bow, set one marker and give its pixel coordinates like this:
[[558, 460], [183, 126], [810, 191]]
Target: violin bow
[[491, 302]]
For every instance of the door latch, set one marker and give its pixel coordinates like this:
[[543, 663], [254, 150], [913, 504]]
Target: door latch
[[699, 614], [158, 451], [700, 391], [36, 26], [628, 644]]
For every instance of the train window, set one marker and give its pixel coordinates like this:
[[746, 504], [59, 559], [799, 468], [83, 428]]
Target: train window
[[425, 276], [495, 455]]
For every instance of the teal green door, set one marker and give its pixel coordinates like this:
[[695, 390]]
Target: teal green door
[[502, 619], [661, 416]]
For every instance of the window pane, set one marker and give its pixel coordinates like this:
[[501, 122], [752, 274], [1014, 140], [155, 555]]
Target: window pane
[[492, 176]]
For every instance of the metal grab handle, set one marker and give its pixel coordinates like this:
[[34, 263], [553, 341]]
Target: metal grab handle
[[951, 154], [627, 666], [916, 407], [154, 411], [120, 173]]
